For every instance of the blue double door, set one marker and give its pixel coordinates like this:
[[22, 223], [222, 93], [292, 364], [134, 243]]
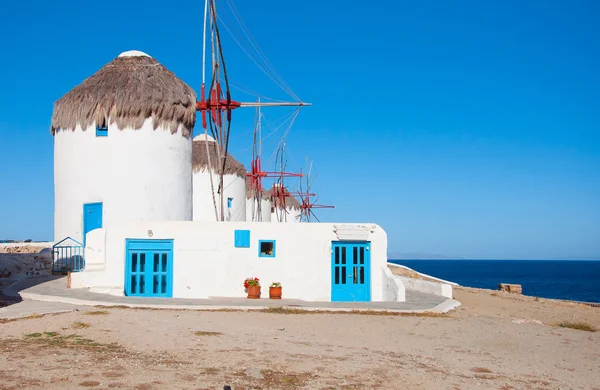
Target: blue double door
[[149, 268], [350, 271]]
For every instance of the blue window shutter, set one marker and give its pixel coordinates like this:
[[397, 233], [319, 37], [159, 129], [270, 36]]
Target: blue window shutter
[[101, 131], [229, 203], [242, 238]]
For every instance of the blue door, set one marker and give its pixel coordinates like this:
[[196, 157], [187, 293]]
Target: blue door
[[149, 268], [92, 218], [350, 271]]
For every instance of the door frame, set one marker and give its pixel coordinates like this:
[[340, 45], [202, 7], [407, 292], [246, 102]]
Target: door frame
[[367, 267], [85, 206]]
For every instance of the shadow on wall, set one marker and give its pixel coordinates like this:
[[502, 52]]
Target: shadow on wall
[[21, 262]]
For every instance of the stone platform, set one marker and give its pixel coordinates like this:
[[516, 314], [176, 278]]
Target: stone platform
[[51, 293]]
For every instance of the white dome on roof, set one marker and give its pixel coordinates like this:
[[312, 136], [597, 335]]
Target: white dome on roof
[[134, 53], [204, 137]]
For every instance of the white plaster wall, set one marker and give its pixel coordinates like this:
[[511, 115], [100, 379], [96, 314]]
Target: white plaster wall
[[138, 175], [292, 214], [252, 210], [393, 288], [234, 187], [441, 289], [422, 274], [206, 263]]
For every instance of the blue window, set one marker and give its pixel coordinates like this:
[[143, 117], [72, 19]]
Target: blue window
[[229, 203], [102, 129], [266, 248], [242, 238]]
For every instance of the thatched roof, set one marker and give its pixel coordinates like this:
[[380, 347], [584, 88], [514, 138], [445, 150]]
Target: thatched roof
[[200, 158], [128, 90], [290, 200], [250, 193]]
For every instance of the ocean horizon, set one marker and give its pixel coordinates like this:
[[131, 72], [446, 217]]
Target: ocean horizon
[[577, 280]]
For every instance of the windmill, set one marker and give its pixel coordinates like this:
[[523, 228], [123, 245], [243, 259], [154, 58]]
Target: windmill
[[256, 174], [216, 104], [306, 204], [282, 199]]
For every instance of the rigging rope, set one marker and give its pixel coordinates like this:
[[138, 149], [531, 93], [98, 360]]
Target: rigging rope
[[289, 92], [295, 115], [256, 47], [255, 94], [285, 118]]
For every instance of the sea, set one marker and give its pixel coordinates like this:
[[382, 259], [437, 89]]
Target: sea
[[557, 279]]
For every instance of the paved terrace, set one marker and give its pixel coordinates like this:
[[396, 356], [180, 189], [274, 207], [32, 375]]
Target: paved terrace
[[50, 295]]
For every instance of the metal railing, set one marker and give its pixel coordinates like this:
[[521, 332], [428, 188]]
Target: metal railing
[[67, 255]]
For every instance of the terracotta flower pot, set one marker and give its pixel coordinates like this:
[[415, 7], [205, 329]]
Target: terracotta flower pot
[[275, 292], [253, 292]]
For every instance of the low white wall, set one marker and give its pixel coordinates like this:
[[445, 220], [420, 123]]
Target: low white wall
[[422, 274], [441, 289], [206, 263], [393, 289]]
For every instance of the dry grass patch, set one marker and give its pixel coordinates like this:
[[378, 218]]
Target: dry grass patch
[[578, 326], [112, 374], [289, 310], [56, 340], [96, 313], [204, 333], [280, 379], [80, 325], [89, 384], [31, 317]]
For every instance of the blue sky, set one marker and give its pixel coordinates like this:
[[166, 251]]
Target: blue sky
[[470, 129]]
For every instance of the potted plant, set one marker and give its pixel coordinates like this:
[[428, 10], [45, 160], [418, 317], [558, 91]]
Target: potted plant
[[253, 287], [275, 290]]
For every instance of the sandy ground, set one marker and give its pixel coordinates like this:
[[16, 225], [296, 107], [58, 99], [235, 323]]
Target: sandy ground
[[488, 343]]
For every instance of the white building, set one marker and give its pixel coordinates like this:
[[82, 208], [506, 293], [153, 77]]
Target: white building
[[126, 186], [123, 148], [258, 205], [284, 206], [313, 262], [207, 162]]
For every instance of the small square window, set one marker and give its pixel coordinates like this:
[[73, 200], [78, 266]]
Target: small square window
[[102, 129], [242, 238], [266, 248]]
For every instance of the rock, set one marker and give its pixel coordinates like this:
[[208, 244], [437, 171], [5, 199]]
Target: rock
[[254, 373], [511, 288]]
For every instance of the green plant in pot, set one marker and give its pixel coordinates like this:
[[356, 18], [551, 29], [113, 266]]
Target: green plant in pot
[[253, 287], [275, 290]]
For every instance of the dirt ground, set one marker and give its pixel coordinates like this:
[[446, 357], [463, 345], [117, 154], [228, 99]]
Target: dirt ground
[[488, 343]]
